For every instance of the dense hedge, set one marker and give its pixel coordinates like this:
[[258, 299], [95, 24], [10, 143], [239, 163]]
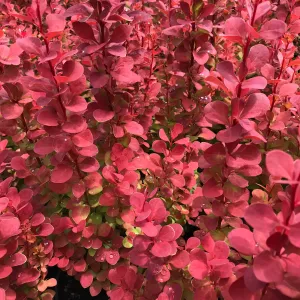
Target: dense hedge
[[150, 148]]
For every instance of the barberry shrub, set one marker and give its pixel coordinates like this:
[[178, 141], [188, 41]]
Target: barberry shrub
[[150, 148]]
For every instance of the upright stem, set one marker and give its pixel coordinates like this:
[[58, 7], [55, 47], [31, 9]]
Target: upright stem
[[49, 62], [274, 92], [150, 74], [246, 49], [192, 45]]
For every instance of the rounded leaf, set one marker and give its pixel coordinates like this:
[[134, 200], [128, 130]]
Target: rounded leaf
[[72, 70], [134, 128], [273, 29], [121, 33], [11, 111], [268, 268], [243, 241], [83, 139], [5, 271], [44, 146], [86, 279], [280, 164], [76, 104], [102, 116], [198, 269], [180, 260], [62, 173], [261, 217], [161, 249]]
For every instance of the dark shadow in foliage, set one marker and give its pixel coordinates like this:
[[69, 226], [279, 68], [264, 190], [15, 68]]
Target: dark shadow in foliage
[[68, 288], [189, 231]]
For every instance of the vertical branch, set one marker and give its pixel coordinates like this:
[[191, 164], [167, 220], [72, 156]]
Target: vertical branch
[[192, 45], [246, 51], [49, 62]]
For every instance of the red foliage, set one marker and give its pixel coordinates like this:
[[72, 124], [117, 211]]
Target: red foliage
[[125, 123]]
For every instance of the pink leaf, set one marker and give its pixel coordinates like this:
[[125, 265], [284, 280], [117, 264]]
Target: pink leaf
[[221, 250], [84, 30], [230, 134], [27, 276], [150, 229], [235, 27], [82, 10], [201, 58], [11, 111], [256, 83], [262, 9], [45, 229], [37, 219], [80, 213], [243, 241], [225, 68], [251, 282], [215, 154], [280, 164], [167, 234], [117, 293], [137, 201], [62, 173], [55, 22], [288, 89], [176, 131], [44, 146], [95, 288], [173, 30], [99, 80], [134, 128], [75, 124], [112, 256], [47, 117], [31, 45], [89, 165], [178, 230], [216, 112], [117, 51], [72, 70], [86, 279], [9, 226], [267, 268], [192, 243], [239, 291], [212, 189], [178, 180], [3, 203], [258, 56], [76, 104], [103, 115], [294, 235], [163, 135], [216, 83], [273, 29], [198, 269], [256, 105], [261, 217], [180, 260], [78, 189], [83, 139], [121, 33], [161, 249], [125, 76], [107, 199], [5, 271], [159, 147]]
